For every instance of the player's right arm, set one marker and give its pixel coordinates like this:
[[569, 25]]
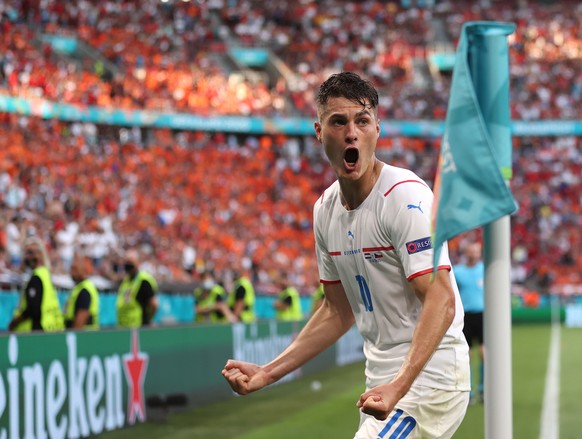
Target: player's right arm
[[328, 324]]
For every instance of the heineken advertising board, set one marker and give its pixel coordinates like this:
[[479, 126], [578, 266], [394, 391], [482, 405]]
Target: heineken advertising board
[[77, 384]]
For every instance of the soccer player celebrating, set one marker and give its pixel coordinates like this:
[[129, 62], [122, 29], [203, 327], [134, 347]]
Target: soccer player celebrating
[[372, 233]]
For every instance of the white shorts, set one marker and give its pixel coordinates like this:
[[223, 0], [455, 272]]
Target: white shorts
[[423, 413]]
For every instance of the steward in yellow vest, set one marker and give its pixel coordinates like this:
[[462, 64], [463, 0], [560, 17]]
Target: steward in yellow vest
[[288, 305], [82, 308], [39, 307], [136, 297], [242, 300], [210, 298]]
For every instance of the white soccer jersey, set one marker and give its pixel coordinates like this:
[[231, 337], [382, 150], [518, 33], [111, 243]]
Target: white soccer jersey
[[374, 251]]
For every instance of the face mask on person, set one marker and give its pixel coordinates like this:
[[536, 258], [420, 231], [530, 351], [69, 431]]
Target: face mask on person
[[129, 268], [207, 284], [30, 261]]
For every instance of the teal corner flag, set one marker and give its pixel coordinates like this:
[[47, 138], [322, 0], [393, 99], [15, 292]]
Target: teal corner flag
[[470, 188]]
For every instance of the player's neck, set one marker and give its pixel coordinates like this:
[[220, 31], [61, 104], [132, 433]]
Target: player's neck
[[353, 193]]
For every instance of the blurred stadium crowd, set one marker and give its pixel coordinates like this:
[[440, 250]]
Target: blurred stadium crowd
[[193, 201]]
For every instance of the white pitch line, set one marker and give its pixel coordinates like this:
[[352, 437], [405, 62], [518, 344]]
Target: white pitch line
[[550, 423]]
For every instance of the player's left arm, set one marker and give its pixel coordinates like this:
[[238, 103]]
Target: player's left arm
[[438, 312], [333, 319]]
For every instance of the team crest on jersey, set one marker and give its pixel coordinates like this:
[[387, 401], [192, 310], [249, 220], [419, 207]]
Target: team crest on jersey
[[419, 245], [373, 257]]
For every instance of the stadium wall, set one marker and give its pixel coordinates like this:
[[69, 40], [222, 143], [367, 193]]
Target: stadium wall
[[250, 125], [77, 384], [178, 309]]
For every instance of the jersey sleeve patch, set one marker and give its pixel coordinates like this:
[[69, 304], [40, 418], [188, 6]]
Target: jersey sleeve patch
[[419, 245]]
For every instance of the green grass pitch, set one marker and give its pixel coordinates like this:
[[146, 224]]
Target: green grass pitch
[[293, 410]]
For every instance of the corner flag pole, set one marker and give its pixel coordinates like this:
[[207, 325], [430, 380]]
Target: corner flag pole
[[490, 76]]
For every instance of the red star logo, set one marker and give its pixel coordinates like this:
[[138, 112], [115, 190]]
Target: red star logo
[[135, 365]]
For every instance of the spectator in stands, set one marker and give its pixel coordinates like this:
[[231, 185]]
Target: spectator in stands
[[288, 303], [14, 237], [39, 308], [389, 43], [241, 300], [544, 231], [66, 238], [210, 300], [99, 171], [82, 307], [137, 300]]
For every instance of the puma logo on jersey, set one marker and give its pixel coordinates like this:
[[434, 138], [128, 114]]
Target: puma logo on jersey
[[350, 234], [413, 206]]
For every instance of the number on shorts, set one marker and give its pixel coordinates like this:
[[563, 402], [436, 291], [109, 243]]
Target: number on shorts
[[405, 426], [365, 293]]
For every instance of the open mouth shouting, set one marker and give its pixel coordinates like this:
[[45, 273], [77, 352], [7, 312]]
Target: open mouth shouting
[[351, 156]]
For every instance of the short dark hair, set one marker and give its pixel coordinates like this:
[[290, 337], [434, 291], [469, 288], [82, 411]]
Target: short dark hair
[[348, 85]]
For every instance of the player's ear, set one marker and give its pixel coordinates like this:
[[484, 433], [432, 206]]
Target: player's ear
[[317, 127]]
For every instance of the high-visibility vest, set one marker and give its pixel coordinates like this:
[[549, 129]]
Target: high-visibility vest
[[293, 312], [248, 314], [129, 311], [51, 317], [88, 285], [317, 295], [210, 300]]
